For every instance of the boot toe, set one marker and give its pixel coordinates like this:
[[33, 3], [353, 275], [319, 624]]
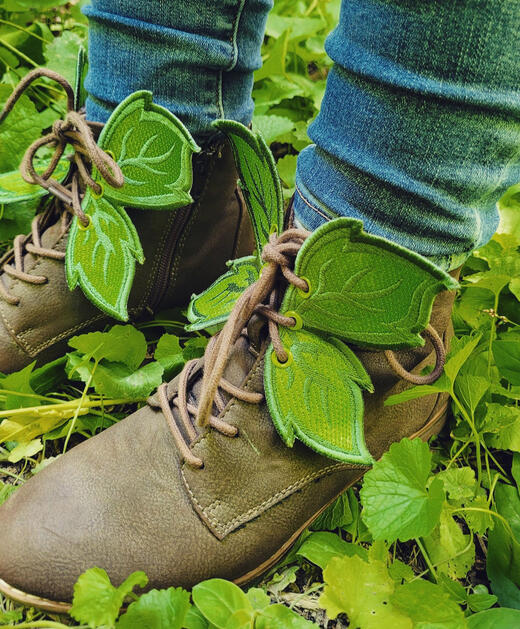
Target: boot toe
[[12, 356]]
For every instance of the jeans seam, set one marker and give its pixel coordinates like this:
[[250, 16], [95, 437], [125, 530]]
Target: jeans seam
[[234, 34], [318, 211]]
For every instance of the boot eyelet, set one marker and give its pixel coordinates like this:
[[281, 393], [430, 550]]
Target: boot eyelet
[[84, 228], [284, 365], [305, 294], [298, 321], [98, 195]]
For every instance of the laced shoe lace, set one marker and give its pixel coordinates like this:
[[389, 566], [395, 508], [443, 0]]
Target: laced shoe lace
[[261, 298], [73, 131]]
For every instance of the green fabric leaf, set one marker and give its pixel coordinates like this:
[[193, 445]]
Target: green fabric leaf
[[306, 403], [363, 591], [158, 609], [101, 258], [364, 289], [153, 149], [321, 547], [428, 606], [218, 599], [122, 343], [97, 602], [500, 618], [212, 307], [259, 179], [397, 503], [281, 617]]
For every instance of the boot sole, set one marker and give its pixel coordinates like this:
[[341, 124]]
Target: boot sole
[[432, 427]]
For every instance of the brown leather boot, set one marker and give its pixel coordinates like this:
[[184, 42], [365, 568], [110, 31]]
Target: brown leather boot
[[158, 493], [185, 250]]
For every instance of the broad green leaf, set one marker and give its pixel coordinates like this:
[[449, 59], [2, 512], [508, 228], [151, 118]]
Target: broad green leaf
[[271, 127], [116, 380], [259, 179], [503, 556], [80, 94], [101, 258], [281, 617], [428, 606], [259, 599], [504, 422], [158, 609], [61, 54], [321, 547], [23, 450], [195, 620], [400, 571], [499, 618], [363, 591], [280, 581], [397, 502], [449, 548], [459, 483], [5, 491], [96, 601], [481, 602], [23, 125], [515, 469], [16, 387], [460, 352], [168, 353], [153, 149], [507, 357], [364, 289], [218, 599], [122, 343], [413, 393], [470, 390], [212, 307], [306, 403], [337, 515]]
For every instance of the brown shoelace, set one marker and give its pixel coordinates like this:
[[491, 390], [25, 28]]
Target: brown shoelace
[[72, 131], [262, 298]]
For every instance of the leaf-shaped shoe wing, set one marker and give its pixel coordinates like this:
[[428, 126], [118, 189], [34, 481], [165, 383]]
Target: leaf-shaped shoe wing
[[212, 307], [259, 179], [364, 289], [153, 149], [313, 397], [101, 258]]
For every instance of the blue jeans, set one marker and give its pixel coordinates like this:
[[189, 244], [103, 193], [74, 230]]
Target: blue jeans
[[419, 131]]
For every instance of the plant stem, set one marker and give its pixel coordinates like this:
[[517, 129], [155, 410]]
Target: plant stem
[[426, 558]]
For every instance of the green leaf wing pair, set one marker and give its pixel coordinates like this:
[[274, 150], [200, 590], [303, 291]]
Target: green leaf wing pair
[[153, 149], [262, 190], [363, 290]]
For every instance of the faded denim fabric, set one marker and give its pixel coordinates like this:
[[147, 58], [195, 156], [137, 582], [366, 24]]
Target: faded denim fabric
[[419, 132], [196, 56]]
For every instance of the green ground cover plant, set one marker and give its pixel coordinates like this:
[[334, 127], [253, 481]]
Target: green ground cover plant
[[429, 539]]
